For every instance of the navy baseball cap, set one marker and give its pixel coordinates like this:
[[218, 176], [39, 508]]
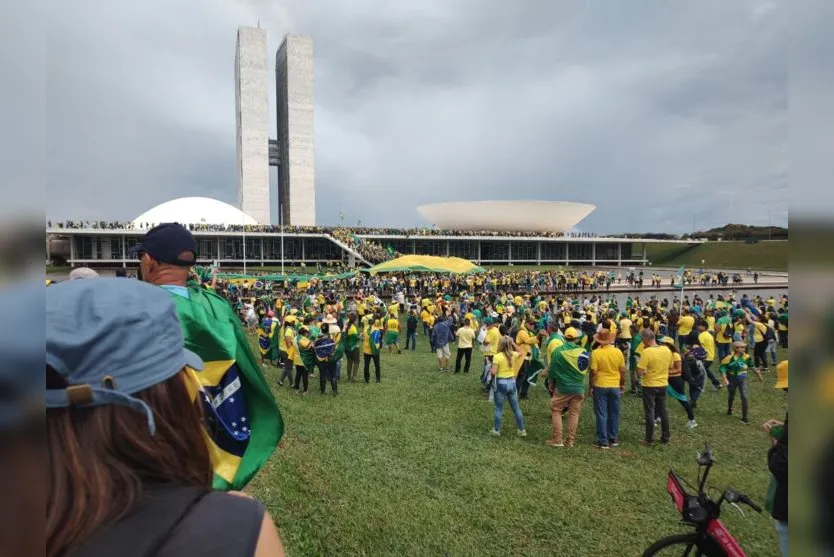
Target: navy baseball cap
[[21, 353], [110, 338], [165, 242]]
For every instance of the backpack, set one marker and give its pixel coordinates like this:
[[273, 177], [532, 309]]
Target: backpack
[[143, 532], [770, 334], [324, 347]]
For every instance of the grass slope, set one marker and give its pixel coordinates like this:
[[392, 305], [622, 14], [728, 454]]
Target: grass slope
[[722, 255], [406, 467]]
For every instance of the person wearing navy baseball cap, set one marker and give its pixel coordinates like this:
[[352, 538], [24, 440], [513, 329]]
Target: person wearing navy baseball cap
[[129, 471], [166, 254], [236, 389]]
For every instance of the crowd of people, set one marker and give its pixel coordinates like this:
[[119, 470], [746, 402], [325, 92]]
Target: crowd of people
[[356, 230], [371, 251], [579, 345]]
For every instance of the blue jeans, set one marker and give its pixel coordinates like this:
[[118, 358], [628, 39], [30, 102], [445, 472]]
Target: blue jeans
[[782, 531], [505, 388], [411, 339], [723, 349], [607, 413]]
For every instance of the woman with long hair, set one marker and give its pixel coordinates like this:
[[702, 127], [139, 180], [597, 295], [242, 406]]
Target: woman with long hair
[[505, 385], [677, 384], [128, 469]]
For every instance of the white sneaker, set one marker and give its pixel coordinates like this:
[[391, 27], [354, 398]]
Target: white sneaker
[[692, 424], [522, 433], [495, 432]]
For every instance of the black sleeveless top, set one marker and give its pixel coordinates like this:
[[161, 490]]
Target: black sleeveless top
[[177, 521]]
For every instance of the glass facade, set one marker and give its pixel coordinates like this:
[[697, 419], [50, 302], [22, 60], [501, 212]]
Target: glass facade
[[92, 247]]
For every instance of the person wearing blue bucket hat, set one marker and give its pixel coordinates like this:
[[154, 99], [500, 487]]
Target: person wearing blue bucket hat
[[129, 469]]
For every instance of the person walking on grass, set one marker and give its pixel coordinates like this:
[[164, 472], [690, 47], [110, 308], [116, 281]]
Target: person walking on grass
[[304, 360], [653, 369], [329, 350], [525, 339], [441, 337], [707, 342], [608, 372], [760, 333], [411, 330], [567, 372], [352, 347], [288, 347], [392, 333], [466, 338], [677, 383], [734, 368], [505, 386], [371, 345]]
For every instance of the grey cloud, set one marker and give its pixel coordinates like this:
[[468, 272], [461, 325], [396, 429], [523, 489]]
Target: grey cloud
[[614, 104]]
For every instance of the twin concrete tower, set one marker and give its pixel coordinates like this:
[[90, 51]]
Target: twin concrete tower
[[293, 152]]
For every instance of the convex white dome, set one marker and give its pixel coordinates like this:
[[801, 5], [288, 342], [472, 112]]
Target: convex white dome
[[194, 210]]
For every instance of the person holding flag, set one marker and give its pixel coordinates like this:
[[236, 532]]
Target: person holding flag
[[129, 471], [568, 370], [371, 345], [243, 424]]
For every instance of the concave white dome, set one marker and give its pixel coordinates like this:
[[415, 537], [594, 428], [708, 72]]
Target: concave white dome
[[194, 210], [513, 216]]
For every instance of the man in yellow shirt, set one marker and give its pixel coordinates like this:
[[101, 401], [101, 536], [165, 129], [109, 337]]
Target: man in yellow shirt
[[685, 325], [707, 342], [653, 369], [608, 371], [466, 336], [392, 334]]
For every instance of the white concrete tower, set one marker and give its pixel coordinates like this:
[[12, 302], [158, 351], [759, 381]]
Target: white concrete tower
[[295, 99], [252, 112]]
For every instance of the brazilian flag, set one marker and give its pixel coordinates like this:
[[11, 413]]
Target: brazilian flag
[[242, 422]]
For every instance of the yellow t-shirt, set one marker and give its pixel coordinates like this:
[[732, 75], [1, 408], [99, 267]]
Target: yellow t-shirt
[[606, 362], [491, 340], [625, 328], [710, 323], [366, 342], [759, 331], [393, 325], [656, 360], [553, 345], [304, 343], [673, 372], [505, 368], [425, 317], [465, 337], [289, 347], [708, 344], [526, 340], [685, 324], [394, 309]]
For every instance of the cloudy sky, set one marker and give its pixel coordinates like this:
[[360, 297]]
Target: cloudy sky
[[660, 113]]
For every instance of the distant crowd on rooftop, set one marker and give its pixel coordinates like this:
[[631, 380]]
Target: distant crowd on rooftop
[[353, 230]]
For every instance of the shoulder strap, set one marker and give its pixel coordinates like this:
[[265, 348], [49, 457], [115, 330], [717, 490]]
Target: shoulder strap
[[143, 532]]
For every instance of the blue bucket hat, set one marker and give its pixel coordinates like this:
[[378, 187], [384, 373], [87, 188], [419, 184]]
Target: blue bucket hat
[[21, 353], [111, 338]]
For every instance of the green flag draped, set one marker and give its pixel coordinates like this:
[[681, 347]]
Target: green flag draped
[[242, 422]]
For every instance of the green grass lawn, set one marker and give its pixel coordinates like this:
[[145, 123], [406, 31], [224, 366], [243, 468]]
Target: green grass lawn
[[407, 467], [722, 255]]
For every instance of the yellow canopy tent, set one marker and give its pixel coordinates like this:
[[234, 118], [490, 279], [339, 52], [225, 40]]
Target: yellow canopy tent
[[426, 264]]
